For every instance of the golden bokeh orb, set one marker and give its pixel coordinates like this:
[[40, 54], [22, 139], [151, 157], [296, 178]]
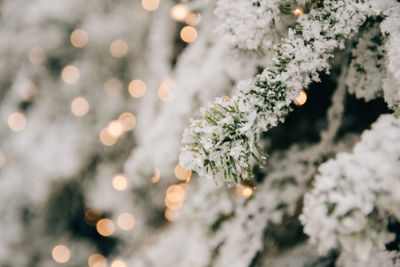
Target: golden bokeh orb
[[70, 74], [61, 254], [79, 106], [188, 34], [150, 5], [105, 227], [79, 38], [118, 48], [17, 121], [126, 221], [137, 88]]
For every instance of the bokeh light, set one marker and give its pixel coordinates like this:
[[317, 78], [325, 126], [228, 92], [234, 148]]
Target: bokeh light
[[181, 173], [105, 227], [115, 128], [79, 38], [188, 34], [120, 182], [127, 121], [302, 98], [150, 5], [118, 48], [79, 106], [70, 74], [61, 254], [137, 88], [126, 221], [226, 98], [164, 92], [298, 11], [174, 197], [171, 215], [179, 12], [245, 191], [118, 263], [106, 138], [16, 121], [97, 260]]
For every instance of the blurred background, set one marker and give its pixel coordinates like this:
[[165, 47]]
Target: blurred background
[[86, 88]]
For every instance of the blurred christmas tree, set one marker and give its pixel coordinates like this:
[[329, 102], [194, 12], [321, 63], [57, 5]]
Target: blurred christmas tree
[[297, 161]]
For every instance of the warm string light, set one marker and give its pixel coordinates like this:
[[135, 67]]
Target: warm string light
[[106, 138], [126, 221], [105, 227], [150, 5], [127, 121], [245, 191], [174, 197], [115, 129], [164, 92], [226, 98], [113, 87], [61, 254], [97, 260], [156, 176], [298, 11], [119, 182], [118, 48], [137, 88], [179, 12], [80, 106], [188, 34], [118, 263], [181, 173], [70, 74], [301, 98], [171, 215], [79, 38], [16, 121], [37, 55]]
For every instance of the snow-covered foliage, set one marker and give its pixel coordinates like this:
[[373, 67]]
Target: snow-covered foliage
[[354, 197], [367, 68], [257, 29], [223, 143], [276, 183], [275, 202], [391, 83]]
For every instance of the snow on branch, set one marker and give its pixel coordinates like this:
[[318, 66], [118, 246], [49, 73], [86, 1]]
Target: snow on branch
[[355, 197], [367, 67], [250, 25], [391, 83], [223, 143]]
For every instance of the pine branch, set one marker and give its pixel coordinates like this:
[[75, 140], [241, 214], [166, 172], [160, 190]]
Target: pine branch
[[229, 132]]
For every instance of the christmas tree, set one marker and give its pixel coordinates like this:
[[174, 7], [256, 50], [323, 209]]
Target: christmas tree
[[289, 112]]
